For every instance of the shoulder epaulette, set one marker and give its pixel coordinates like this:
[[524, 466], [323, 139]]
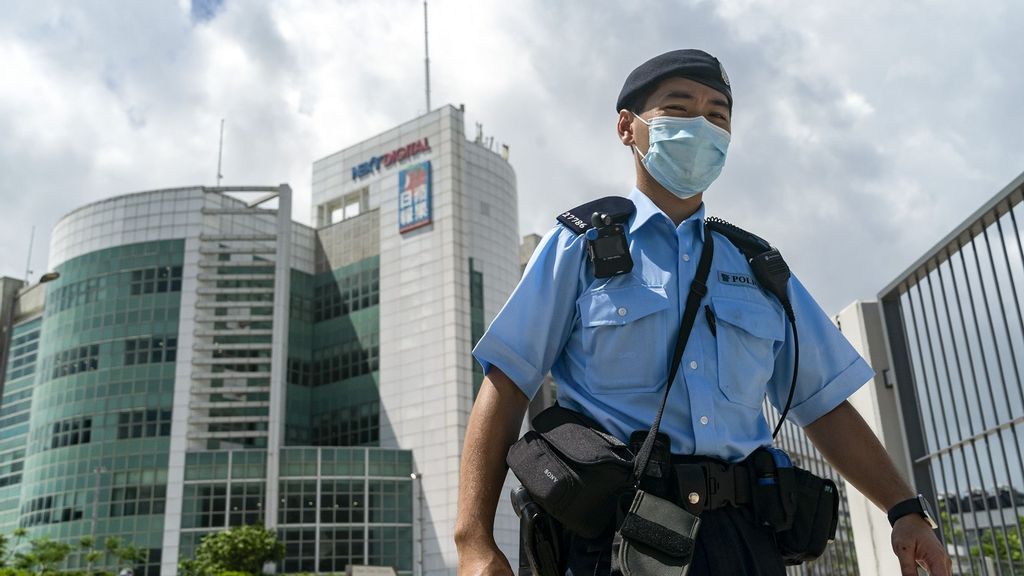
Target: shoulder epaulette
[[578, 219], [749, 244]]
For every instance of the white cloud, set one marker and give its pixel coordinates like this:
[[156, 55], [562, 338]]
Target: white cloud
[[863, 131]]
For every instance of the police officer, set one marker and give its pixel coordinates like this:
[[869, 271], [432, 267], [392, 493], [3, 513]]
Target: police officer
[[607, 343]]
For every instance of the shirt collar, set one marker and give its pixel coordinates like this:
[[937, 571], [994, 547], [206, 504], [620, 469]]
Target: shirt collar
[[646, 210]]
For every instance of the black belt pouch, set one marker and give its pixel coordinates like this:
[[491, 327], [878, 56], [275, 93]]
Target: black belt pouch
[[656, 538], [815, 518], [573, 469]]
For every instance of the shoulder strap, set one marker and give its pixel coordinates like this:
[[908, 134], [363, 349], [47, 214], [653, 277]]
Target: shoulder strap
[[698, 289], [578, 219], [750, 245]]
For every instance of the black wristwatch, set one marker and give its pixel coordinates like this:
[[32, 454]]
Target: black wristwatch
[[916, 505]]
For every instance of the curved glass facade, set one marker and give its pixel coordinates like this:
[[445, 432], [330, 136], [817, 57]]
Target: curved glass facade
[[96, 455]]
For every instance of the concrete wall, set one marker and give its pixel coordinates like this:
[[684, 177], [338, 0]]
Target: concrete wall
[[861, 323]]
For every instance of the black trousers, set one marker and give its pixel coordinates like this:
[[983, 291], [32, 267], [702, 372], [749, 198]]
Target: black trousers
[[729, 543]]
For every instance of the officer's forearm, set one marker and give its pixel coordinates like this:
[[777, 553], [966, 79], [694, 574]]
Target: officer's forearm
[[493, 426], [854, 451]]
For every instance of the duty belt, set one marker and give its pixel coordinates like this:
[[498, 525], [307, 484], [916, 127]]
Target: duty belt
[[708, 484], [697, 483]]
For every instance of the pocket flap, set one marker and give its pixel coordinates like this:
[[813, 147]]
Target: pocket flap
[[580, 439], [758, 319], [656, 536], [661, 525], [618, 306]]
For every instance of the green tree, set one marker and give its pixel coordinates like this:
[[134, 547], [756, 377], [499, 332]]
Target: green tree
[[243, 549], [88, 547], [1003, 547], [126, 554], [7, 553], [43, 555]]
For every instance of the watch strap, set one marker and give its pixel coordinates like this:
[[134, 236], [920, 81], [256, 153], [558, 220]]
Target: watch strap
[[908, 506]]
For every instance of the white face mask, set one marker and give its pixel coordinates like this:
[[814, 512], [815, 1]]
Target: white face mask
[[685, 155]]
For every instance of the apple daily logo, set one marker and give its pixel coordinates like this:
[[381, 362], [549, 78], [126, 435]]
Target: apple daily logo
[[390, 159], [736, 279]]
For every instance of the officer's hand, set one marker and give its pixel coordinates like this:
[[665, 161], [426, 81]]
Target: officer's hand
[[483, 559], [915, 543]]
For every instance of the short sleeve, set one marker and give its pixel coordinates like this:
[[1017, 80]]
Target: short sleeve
[[830, 369], [530, 331]]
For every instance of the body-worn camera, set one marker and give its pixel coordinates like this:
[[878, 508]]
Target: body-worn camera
[[607, 247]]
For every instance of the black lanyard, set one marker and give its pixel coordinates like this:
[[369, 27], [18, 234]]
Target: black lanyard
[[698, 289]]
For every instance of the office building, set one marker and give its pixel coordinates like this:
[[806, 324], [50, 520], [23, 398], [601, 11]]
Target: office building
[[203, 361]]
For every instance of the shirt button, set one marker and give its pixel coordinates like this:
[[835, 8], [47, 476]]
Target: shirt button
[[621, 311], [693, 364], [686, 257], [704, 420]]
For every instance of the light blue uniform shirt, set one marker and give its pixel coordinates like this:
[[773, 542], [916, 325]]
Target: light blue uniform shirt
[[607, 341]]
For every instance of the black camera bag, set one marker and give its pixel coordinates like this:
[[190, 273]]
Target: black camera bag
[[573, 469]]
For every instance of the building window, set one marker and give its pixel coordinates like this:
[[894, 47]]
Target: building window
[[340, 548], [390, 501], [150, 350], [347, 294], [342, 502], [349, 206], [70, 432], [205, 506], [349, 426], [299, 372], [23, 353], [52, 509], [151, 567], [391, 546], [137, 500], [248, 464], [155, 280], [143, 424], [299, 550], [206, 466], [351, 359], [476, 320], [246, 504], [298, 502], [75, 360]]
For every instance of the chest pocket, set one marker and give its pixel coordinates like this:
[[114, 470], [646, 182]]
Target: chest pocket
[[747, 334], [625, 338]]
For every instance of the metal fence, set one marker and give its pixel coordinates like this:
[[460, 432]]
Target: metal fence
[[956, 335]]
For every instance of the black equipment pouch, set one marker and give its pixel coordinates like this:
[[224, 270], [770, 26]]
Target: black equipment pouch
[[573, 469], [655, 538], [541, 537], [815, 518], [802, 508]]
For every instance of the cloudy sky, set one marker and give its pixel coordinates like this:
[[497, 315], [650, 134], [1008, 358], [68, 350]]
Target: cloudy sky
[[863, 131]]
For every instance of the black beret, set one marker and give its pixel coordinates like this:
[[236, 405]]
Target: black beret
[[696, 65]]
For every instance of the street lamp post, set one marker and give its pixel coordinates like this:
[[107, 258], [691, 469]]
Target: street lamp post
[[96, 500], [418, 479]]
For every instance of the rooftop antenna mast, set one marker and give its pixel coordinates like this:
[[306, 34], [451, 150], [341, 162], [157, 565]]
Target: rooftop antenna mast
[[426, 50], [28, 262], [220, 151]]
